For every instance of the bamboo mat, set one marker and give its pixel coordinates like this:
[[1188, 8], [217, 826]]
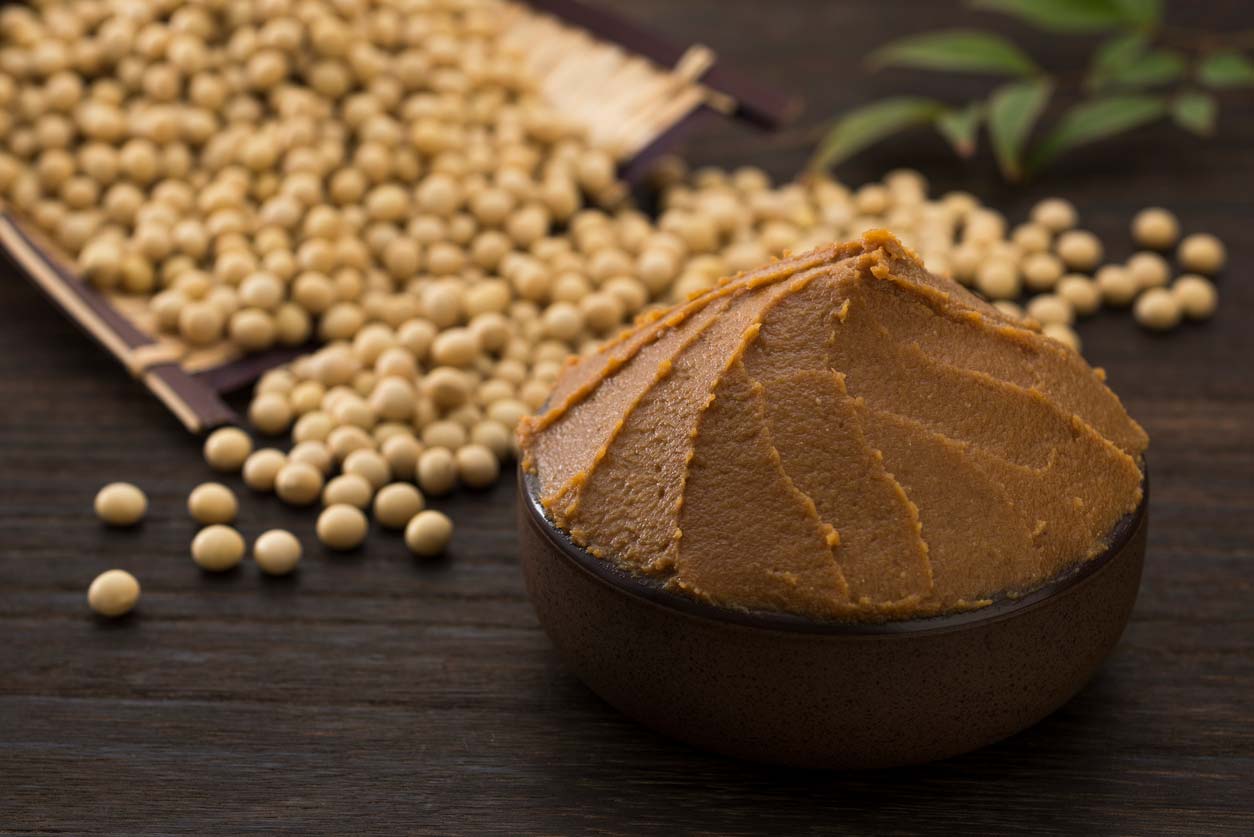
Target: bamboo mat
[[633, 91]]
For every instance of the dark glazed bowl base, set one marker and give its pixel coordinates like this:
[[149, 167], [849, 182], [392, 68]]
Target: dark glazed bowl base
[[784, 690]]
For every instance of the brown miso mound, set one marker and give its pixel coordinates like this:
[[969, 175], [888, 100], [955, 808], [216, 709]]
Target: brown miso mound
[[838, 435]]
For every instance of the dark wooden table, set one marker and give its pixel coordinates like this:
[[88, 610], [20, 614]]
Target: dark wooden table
[[372, 693]]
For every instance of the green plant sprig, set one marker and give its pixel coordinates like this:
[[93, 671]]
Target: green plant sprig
[[1137, 75]]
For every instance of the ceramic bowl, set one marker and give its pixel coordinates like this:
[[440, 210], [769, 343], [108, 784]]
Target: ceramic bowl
[[788, 690]]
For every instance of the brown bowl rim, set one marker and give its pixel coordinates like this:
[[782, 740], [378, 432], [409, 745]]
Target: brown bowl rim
[[651, 592]]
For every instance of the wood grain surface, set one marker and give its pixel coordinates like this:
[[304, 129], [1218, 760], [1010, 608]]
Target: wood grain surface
[[375, 694]]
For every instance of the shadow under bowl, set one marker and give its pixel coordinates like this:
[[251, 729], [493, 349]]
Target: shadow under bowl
[[788, 690]]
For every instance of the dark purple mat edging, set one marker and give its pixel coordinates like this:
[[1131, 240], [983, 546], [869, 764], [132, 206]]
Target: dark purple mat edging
[[635, 169], [200, 397], [238, 374], [754, 103], [120, 325]]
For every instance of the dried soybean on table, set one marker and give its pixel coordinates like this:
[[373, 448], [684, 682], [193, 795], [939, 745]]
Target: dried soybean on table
[[372, 693]]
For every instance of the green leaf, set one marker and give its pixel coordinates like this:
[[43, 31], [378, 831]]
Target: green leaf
[[1012, 111], [1195, 111], [1095, 120], [1113, 56], [960, 127], [1062, 15], [871, 123], [1141, 12], [960, 50], [1156, 67], [1227, 68]]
